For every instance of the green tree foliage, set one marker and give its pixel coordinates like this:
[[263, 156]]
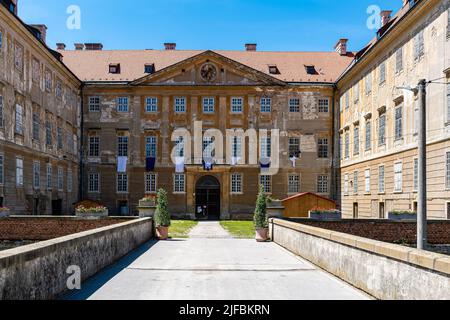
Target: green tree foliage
[[260, 217], [162, 215]]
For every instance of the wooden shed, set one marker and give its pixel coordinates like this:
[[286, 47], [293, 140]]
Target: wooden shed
[[299, 205]]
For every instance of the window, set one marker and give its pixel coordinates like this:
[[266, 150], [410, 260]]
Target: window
[[324, 105], [114, 68], [447, 171], [60, 179], [399, 60], [347, 100], [367, 180], [322, 184], [69, 180], [36, 71], [208, 105], [48, 81], [294, 147], [347, 145], [236, 145], [237, 105], [18, 57], [36, 174], [323, 148], [311, 69], [122, 183], [179, 146], [151, 104], [273, 69], [36, 126], [49, 177], [236, 183], [1, 112], [122, 146], [94, 104], [294, 183], [58, 90], [94, 182], [208, 144], [398, 123], [368, 135], [48, 133], [356, 92], [179, 183], [150, 147], [94, 146], [19, 172], [266, 147], [356, 141], [150, 183], [382, 130], [382, 73], [419, 45], [266, 182], [416, 175], [180, 105], [266, 105], [369, 83], [355, 182], [122, 104], [19, 119], [59, 138], [346, 184], [381, 179], [398, 177], [448, 102], [149, 68], [294, 105], [2, 169]]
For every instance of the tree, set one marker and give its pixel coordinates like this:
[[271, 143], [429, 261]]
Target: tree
[[260, 217], [162, 215]]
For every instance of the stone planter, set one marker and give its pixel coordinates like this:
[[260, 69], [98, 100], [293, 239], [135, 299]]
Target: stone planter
[[146, 211], [402, 216], [5, 214], [147, 203], [92, 215], [325, 216], [275, 209]]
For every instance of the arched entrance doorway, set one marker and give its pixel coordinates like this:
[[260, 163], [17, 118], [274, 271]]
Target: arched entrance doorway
[[207, 198]]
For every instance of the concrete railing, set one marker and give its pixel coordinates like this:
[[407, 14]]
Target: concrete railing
[[39, 271], [383, 270]]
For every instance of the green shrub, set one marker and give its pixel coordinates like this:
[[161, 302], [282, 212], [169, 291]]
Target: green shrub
[[162, 215], [260, 217], [399, 212]]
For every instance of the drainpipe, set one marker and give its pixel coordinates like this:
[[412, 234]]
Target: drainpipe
[[80, 174]]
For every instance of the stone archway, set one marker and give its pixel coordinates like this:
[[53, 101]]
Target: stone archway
[[207, 198]]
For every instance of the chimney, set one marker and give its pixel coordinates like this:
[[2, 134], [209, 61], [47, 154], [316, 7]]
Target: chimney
[[93, 46], [42, 28], [341, 47], [79, 46], [170, 46], [385, 17], [60, 46], [250, 46]]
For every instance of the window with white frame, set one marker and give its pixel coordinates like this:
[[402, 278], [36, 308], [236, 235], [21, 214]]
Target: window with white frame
[[324, 105], [94, 104], [322, 184], [356, 141], [416, 175], [122, 146], [399, 123], [94, 146], [294, 147], [150, 182], [94, 182], [1, 111], [179, 184], [294, 183], [19, 172], [151, 104], [294, 105], [180, 104], [399, 60], [36, 174], [266, 105], [419, 45], [346, 184], [447, 170], [60, 179], [19, 119], [368, 135], [355, 182], [382, 130], [347, 145], [208, 105], [266, 149], [2, 169], [49, 177], [381, 188], [59, 138], [237, 105], [151, 147], [398, 177], [236, 183], [36, 126], [122, 104], [69, 180], [122, 183], [382, 73], [322, 148], [266, 182], [236, 146], [367, 181]]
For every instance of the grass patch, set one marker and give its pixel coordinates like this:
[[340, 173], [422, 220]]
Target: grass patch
[[181, 228], [239, 229]]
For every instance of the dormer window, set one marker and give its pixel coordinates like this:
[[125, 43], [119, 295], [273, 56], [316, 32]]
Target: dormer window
[[273, 69], [311, 69], [114, 68], [149, 68]]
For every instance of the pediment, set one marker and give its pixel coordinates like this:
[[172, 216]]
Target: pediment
[[209, 69]]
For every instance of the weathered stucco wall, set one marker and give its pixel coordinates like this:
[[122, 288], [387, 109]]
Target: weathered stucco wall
[[38, 271], [386, 271]]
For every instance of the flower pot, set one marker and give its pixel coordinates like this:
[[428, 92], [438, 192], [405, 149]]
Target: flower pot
[[162, 233], [262, 234]]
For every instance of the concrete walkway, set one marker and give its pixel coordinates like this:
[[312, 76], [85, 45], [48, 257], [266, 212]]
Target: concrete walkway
[[219, 269], [209, 230]]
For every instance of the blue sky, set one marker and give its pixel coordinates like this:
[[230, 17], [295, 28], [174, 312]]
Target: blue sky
[[288, 25]]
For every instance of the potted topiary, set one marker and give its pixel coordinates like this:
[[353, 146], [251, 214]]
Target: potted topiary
[[4, 212], [260, 217], [162, 216]]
